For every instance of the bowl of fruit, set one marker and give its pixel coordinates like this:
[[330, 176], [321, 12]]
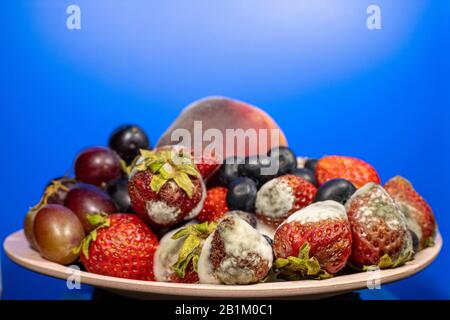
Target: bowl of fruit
[[170, 221]]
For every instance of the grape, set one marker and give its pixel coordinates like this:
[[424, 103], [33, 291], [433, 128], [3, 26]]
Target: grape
[[28, 227], [58, 232], [119, 193], [127, 140], [58, 189], [97, 165], [88, 199], [55, 193]]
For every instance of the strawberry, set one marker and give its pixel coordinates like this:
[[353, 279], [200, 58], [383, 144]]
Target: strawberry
[[191, 276], [281, 197], [165, 187], [354, 170], [380, 232], [178, 252], [121, 246], [235, 253], [206, 165], [215, 205], [315, 242], [414, 207]]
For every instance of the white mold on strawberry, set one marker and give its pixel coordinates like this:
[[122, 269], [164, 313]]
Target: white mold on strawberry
[[319, 211], [177, 256], [315, 242], [247, 217], [380, 229], [165, 187], [265, 229], [282, 196], [275, 199], [166, 255], [235, 253]]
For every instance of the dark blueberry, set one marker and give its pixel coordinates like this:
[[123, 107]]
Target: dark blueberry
[[241, 194], [118, 191], [311, 164], [286, 158], [127, 140], [258, 168], [339, 190], [415, 241], [269, 240], [229, 170], [306, 174]]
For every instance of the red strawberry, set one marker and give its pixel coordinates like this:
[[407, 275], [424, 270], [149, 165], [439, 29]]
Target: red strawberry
[[190, 277], [380, 233], [165, 187], [414, 207], [314, 242], [215, 205], [122, 246], [281, 197], [206, 165], [354, 170]]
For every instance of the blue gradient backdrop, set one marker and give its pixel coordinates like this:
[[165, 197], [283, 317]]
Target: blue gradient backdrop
[[333, 86]]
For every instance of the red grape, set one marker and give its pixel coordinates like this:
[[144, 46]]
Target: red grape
[[58, 189], [58, 232], [97, 165], [55, 192], [28, 224], [88, 199]]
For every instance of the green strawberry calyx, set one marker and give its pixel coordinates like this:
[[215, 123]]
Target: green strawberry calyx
[[166, 165], [126, 168], [301, 267], [99, 221], [193, 236], [428, 242], [385, 262]]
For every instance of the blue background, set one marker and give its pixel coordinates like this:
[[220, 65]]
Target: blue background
[[334, 87]]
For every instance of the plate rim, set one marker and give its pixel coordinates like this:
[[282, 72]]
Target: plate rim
[[30, 259]]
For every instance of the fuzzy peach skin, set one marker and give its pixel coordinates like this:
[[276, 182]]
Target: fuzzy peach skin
[[223, 113]]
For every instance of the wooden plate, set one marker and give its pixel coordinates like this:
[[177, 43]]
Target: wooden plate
[[17, 249]]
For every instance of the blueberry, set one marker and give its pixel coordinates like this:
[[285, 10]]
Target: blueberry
[[311, 164], [306, 174], [415, 241], [241, 194], [339, 190], [118, 191], [287, 160], [257, 168], [269, 240], [127, 140], [229, 170]]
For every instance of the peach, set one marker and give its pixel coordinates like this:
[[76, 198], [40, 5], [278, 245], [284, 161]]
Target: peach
[[222, 113]]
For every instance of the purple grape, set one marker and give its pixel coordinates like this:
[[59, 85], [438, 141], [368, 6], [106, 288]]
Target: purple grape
[[88, 199], [57, 232], [97, 166]]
